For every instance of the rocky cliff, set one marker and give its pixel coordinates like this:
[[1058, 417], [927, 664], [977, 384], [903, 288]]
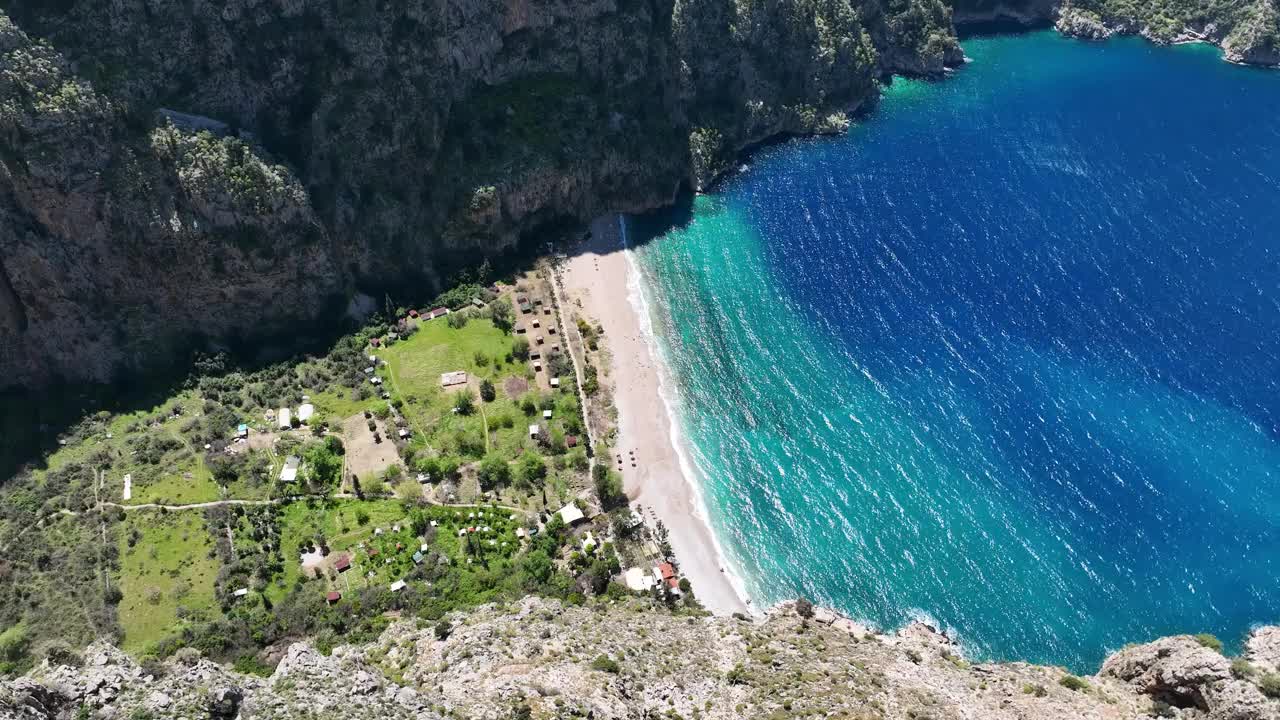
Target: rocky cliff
[[541, 660], [174, 173], [1247, 31]]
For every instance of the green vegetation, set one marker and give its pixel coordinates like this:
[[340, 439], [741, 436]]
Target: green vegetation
[[1269, 684], [1242, 669], [167, 574], [1071, 682], [604, 663], [1209, 641], [266, 558]]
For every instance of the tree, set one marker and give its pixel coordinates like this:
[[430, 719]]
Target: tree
[[608, 488], [487, 392], [464, 403], [503, 318], [520, 349], [530, 470], [493, 471]]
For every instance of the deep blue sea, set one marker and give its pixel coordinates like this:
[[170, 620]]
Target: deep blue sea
[[1005, 357]]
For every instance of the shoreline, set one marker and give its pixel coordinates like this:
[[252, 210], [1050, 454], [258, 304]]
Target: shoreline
[[594, 276]]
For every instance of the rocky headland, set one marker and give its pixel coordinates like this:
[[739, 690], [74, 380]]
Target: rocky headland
[[539, 659]]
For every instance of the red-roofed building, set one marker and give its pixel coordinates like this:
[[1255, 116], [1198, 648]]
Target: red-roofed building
[[375, 342], [673, 583], [413, 313], [333, 597], [668, 572], [373, 552], [571, 440], [343, 564], [437, 312]]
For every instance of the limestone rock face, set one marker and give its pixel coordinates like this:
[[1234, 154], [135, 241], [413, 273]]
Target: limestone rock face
[[1180, 672], [175, 175], [540, 659], [1263, 648]]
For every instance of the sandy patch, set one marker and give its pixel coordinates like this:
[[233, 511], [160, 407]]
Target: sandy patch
[[366, 458]]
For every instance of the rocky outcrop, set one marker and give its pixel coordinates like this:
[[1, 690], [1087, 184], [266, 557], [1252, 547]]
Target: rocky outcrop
[[1181, 673], [1247, 32], [539, 659], [175, 173]]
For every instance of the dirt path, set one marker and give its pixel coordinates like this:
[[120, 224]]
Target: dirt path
[[556, 294]]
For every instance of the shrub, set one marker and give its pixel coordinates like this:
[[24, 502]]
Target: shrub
[[804, 608], [520, 349], [1269, 684], [604, 663], [1071, 682], [1209, 641], [737, 676], [1034, 689], [464, 403], [443, 630], [488, 392], [1242, 668]]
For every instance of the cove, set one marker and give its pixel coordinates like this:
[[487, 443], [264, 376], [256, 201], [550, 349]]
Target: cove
[[1006, 357]]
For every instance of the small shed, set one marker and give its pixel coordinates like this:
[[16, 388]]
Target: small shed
[[289, 472], [457, 377], [241, 592], [305, 411], [242, 431], [570, 514], [398, 585], [283, 419], [546, 414], [571, 441], [555, 382], [477, 302], [417, 557], [533, 431], [343, 564], [333, 597]]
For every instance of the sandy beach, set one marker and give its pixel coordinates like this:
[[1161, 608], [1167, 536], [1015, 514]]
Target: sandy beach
[[597, 275]]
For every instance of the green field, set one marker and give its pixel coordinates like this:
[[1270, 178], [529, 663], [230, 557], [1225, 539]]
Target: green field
[[167, 575], [339, 523]]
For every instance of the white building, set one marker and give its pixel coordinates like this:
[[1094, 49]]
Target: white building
[[305, 411], [283, 419], [398, 585], [289, 472], [571, 514]]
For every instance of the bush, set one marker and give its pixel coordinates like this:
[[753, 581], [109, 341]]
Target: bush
[[520, 349], [1071, 682], [1241, 668], [1269, 684], [1034, 689], [1209, 641], [443, 630], [464, 403], [604, 663], [488, 392]]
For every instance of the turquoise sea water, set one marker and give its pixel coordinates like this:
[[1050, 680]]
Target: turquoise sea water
[[1006, 357]]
